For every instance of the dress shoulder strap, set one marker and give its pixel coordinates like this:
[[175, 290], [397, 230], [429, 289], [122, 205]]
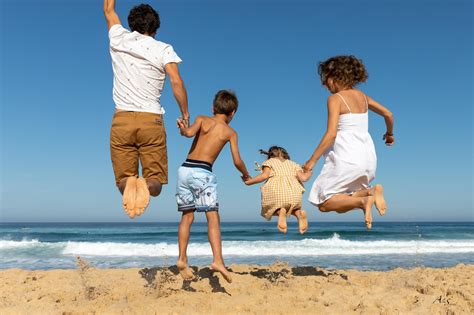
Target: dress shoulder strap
[[342, 98]]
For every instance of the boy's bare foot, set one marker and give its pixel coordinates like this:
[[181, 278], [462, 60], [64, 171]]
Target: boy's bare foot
[[368, 203], [223, 271], [185, 272], [303, 222], [282, 221], [129, 196], [143, 196], [380, 203]]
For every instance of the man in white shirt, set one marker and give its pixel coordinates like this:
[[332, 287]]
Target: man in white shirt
[[140, 65]]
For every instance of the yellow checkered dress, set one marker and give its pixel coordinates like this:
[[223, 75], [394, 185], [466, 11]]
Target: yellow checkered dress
[[282, 189]]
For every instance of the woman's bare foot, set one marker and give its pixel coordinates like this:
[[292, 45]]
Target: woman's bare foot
[[184, 270], [368, 203], [303, 222], [223, 271], [143, 196], [380, 203], [129, 196], [282, 221]]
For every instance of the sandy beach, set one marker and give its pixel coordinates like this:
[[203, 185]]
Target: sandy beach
[[274, 289]]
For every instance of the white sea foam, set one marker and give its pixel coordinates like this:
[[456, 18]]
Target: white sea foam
[[305, 247], [5, 244]]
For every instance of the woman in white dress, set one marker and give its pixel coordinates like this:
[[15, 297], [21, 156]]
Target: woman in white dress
[[349, 154]]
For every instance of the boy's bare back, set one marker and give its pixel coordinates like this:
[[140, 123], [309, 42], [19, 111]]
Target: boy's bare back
[[209, 140]]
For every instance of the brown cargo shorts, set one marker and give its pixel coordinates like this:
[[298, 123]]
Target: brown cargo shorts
[[138, 136]]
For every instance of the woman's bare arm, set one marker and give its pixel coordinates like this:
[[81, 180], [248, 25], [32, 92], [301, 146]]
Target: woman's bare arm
[[329, 136], [387, 115]]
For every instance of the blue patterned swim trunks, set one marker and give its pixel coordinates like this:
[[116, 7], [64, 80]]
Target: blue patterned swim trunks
[[197, 187]]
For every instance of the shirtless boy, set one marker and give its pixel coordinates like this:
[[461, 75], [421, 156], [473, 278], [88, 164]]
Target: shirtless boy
[[197, 186]]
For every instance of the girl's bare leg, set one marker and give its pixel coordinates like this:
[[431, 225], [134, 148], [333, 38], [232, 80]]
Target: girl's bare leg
[[183, 241], [302, 220], [214, 235], [282, 227], [344, 203]]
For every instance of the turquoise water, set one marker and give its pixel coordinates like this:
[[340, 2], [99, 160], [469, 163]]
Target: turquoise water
[[329, 245]]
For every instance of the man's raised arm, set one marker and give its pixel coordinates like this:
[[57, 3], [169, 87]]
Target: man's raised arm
[[110, 15]]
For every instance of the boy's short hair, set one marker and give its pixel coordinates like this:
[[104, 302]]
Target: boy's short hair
[[143, 19], [225, 102]]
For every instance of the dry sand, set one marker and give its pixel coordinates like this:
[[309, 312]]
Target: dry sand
[[275, 289]]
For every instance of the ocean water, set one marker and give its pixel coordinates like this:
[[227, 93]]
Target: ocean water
[[329, 245]]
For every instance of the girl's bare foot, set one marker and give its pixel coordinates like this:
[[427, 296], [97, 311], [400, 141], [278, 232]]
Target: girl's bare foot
[[303, 222], [185, 272], [223, 271], [143, 196], [282, 221], [380, 203], [129, 196], [368, 203]]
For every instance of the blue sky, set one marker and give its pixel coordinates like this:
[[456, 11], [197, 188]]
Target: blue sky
[[56, 100]]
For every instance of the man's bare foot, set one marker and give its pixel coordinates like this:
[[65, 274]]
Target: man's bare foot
[[143, 196], [303, 222], [223, 271], [380, 203], [282, 221], [369, 202], [185, 272], [129, 196]]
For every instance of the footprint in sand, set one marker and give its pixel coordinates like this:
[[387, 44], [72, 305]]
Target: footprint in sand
[[142, 196], [129, 196], [380, 203]]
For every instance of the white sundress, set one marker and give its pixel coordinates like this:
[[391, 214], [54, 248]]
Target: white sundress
[[350, 163]]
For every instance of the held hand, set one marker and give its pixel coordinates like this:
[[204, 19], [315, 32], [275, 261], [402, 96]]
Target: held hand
[[308, 166], [389, 139], [246, 178], [181, 125]]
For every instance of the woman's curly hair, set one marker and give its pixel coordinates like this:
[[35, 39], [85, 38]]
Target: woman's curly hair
[[344, 70], [276, 151], [143, 19]]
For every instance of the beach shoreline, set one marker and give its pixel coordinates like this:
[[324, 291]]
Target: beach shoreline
[[272, 289]]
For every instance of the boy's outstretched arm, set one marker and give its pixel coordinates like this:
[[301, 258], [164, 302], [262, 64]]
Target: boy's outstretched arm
[[110, 15], [192, 130], [259, 178], [239, 164], [387, 115]]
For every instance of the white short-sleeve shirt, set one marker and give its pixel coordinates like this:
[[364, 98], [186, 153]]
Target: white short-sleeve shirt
[[138, 63]]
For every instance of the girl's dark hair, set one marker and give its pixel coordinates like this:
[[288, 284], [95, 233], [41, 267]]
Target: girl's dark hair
[[276, 151], [344, 70], [143, 19]]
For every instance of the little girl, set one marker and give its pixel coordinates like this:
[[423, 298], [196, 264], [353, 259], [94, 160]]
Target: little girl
[[283, 190], [349, 153]]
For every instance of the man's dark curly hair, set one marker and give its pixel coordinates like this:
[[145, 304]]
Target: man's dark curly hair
[[143, 19], [344, 70]]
